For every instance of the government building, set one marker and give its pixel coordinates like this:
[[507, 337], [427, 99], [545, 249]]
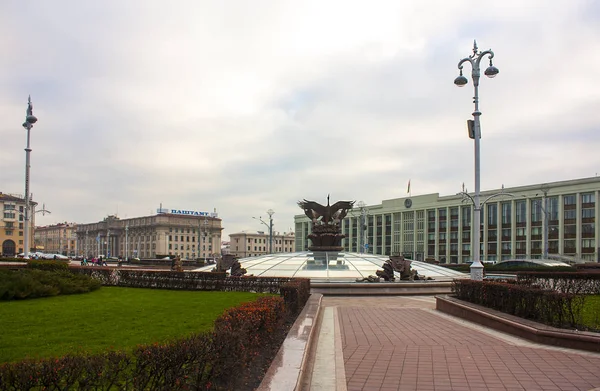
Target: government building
[[527, 222], [189, 234]]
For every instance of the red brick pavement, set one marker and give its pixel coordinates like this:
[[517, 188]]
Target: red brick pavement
[[414, 349]]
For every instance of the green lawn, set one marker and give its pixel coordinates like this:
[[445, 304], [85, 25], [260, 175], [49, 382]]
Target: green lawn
[[109, 318], [591, 312]]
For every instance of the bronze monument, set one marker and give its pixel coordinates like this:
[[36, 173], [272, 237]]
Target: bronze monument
[[326, 231]]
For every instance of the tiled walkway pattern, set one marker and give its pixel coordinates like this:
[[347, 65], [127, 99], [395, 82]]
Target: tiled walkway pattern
[[409, 348]]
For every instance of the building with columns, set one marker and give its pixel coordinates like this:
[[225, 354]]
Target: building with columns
[[188, 234], [57, 239], [516, 223], [254, 244]]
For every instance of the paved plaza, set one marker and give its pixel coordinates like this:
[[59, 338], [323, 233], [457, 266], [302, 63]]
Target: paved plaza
[[403, 343]]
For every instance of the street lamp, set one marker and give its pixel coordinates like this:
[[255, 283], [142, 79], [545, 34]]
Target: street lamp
[[475, 59], [270, 212], [30, 119]]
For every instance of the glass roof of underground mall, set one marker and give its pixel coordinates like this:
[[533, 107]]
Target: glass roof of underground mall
[[330, 266]]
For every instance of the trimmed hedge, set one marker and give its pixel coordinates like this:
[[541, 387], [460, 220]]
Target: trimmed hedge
[[530, 302], [185, 280], [50, 265], [296, 294], [579, 283], [34, 283], [232, 357]]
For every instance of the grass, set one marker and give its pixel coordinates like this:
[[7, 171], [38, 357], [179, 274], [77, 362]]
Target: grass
[[591, 312], [109, 318]]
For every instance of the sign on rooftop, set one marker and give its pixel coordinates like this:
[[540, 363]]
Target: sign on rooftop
[[186, 212]]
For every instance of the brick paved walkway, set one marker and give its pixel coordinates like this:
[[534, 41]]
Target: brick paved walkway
[[404, 345]]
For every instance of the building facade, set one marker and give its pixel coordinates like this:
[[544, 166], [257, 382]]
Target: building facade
[[12, 224], [190, 236], [253, 244], [560, 219], [57, 239]]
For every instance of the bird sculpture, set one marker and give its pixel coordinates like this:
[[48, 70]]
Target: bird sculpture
[[327, 213]]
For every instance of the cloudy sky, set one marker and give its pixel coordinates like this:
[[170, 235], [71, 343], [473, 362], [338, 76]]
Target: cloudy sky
[[244, 106]]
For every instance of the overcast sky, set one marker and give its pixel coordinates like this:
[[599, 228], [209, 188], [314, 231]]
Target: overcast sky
[[245, 106]]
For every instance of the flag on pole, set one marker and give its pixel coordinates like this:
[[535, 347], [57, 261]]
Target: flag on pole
[[408, 189]]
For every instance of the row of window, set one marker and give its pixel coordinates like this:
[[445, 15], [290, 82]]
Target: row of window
[[10, 232]]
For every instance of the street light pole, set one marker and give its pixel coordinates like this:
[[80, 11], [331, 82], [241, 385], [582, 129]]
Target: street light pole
[[269, 226], [30, 119], [126, 242], [205, 236], [460, 81], [270, 212]]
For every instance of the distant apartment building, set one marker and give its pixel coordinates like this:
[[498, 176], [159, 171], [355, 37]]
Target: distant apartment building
[[57, 239], [560, 218], [189, 234], [12, 224], [253, 244]]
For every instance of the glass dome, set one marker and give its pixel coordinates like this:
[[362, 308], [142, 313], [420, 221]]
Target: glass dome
[[330, 266]]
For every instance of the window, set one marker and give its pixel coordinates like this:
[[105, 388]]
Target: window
[[9, 207], [536, 210], [492, 214], [466, 216], [8, 232], [588, 243], [569, 199], [521, 211], [9, 215], [587, 198], [587, 213], [506, 209], [570, 214], [588, 229]]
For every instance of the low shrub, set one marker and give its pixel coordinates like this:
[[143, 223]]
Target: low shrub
[[34, 283], [185, 280], [584, 282], [530, 302], [295, 294], [12, 259], [49, 265], [232, 357]]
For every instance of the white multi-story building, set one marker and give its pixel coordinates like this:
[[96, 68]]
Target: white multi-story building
[[253, 244], [515, 224]]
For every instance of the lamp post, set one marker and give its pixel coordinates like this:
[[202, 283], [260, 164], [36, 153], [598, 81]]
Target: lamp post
[[126, 242], [475, 133], [270, 212], [107, 255], [205, 236], [30, 119]]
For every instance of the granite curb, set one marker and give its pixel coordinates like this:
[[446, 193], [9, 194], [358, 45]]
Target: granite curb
[[524, 328], [288, 369]]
